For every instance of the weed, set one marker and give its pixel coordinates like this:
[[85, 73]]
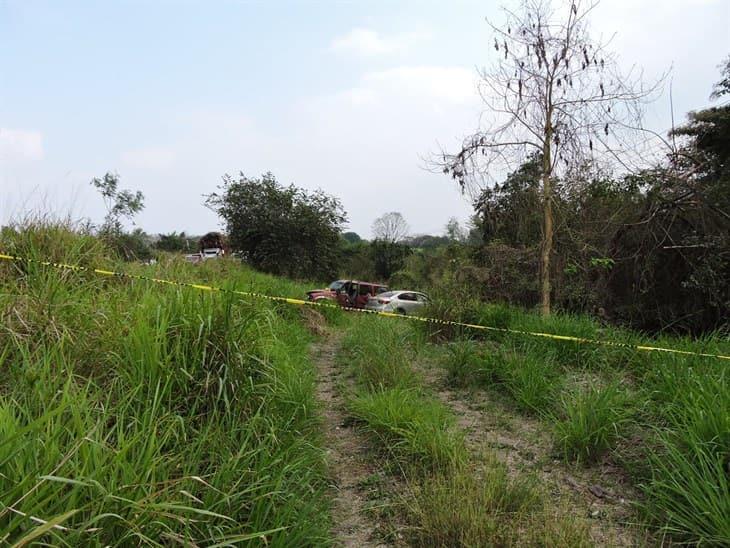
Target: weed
[[138, 414], [462, 509], [414, 428], [590, 422]]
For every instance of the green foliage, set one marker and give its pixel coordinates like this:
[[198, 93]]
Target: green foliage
[[131, 246], [463, 364], [363, 350], [532, 379], [417, 430], [463, 510], [351, 237], [677, 404], [511, 212], [688, 488], [176, 242], [120, 204], [136, 413], [590, 421], [388, 257], [281, 230], [650, 250]]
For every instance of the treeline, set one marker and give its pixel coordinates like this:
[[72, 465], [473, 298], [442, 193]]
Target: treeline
[[650, 250]]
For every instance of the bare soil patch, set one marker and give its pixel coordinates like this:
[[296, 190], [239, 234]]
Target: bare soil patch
[[350, 468]]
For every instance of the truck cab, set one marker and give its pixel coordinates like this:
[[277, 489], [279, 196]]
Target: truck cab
[[356, 294]]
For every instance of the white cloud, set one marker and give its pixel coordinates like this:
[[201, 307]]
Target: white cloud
[[154, 157], [452, 84], [369, 42], [20, 145]]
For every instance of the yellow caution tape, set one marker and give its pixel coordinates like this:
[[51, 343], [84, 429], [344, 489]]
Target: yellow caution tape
[[301, 302]]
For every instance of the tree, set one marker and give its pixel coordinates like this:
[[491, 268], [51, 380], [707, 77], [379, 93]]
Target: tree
[[391, 228], [282, 230], [120, 204], [388, 257], [453, 230], [351, 237], [174, 242], [510, 211], [552, 93]]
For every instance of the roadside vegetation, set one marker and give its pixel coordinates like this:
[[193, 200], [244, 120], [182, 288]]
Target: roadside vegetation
[[663, 418], [134, 413], [452, 495], [141, 414]]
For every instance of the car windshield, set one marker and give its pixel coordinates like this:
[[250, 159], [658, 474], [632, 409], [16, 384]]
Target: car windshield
[[334, 286], [387, 294]]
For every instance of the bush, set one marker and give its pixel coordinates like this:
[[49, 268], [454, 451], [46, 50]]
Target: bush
[[281, 230], [469, 364]]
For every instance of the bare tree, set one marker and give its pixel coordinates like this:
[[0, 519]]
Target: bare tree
[[391, 227], [553, 92]]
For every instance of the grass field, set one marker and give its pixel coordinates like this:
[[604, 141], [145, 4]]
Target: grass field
[[664, 418], [134, 413]]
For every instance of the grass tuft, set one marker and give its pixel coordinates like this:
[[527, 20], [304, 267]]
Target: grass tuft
[[415, 429], [590, 421]]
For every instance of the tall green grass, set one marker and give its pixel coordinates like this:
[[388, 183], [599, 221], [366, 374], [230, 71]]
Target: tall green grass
[[378, 352], [139, 414], [450, 500], [678, 405], [590, 422], [417, 430]]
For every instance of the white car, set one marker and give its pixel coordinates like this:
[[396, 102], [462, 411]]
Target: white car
[[209, 253], [401, 302]]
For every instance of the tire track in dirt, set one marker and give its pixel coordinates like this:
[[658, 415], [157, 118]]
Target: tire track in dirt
[[601, 494], [347, 454]]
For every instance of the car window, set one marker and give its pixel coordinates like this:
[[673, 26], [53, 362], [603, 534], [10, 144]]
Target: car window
[[421, 297], [365, 289], [334, 286], [407, 297]]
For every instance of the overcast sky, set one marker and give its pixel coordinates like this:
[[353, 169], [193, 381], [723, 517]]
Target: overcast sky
[[347, 97]]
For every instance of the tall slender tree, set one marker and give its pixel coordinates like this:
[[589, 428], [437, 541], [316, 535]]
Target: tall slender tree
[[555, 93]]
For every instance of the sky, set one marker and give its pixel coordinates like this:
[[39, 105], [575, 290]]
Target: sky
[[349, 97]]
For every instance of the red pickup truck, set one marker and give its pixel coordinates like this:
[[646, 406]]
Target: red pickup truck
[[327, 294], [349, 293]]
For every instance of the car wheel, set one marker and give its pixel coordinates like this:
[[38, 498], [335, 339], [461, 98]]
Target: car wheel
[[400, 311]]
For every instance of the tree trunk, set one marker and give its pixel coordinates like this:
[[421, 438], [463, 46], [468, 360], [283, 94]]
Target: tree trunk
[[547, 236]]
